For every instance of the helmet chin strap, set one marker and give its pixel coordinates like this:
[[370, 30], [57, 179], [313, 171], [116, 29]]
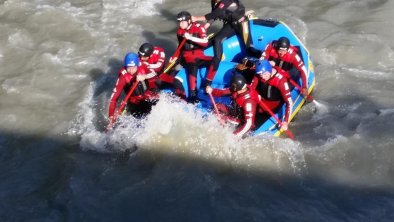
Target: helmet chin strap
[[242, 90]]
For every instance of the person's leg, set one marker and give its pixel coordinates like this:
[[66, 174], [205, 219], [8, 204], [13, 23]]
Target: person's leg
[[243, 31], [192, 82], [222, 35], [203, 61]]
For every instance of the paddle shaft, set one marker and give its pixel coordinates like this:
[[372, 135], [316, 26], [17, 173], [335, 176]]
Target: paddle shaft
[[309, 97], [266, 108], [176, 55], [122, 105], [216, 108]]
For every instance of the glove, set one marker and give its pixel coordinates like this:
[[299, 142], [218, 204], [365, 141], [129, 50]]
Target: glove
[[241, 67], [187, 35], [173, 59], [209, 89], [304, 91], [285, 126], [141, 78]]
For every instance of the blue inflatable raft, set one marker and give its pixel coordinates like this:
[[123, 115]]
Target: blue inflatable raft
[[263, 31]]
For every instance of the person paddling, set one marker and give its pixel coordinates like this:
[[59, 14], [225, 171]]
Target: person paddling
[[281, 54], [132, 71], [153, 58], [193, 50], [271, 83], [243, 111]]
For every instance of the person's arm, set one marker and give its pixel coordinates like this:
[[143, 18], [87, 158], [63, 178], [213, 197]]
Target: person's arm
[[299, 64], [249, 110], [198, 18], [217, 13], [144, 73], [202, 38], [285, 92], [159, 55], [218, 92], [266, 52], [120, 83]]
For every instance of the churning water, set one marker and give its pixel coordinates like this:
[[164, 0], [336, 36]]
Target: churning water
[[58, 65]]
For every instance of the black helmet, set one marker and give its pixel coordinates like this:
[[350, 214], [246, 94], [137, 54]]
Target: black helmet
[[283, 43], [238, 82], [183, 16], [214, 3], [145, 50]]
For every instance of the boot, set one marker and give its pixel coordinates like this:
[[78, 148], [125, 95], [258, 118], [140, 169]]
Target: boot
[[193, 97]]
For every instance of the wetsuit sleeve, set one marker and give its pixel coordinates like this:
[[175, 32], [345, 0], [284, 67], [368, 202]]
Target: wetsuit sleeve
[[221, 92], [202, 39], [120, 83], [158, 60], [149, 74], [285, 92], [217, 13], [249, 110], [266, 52], [299, 64]]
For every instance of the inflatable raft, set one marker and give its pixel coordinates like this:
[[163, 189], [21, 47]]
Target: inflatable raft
[[263, 31]]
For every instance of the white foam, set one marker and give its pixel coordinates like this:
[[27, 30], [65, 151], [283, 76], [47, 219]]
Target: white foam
[[178, 128], [133, 8], [20, 39], [386, 111], [10, 86], [367, 73]]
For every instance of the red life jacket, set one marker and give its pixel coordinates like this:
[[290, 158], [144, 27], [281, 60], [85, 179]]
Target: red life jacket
[[196, 30]]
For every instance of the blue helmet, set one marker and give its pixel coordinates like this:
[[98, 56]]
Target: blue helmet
[[131, 59], [263, 66]]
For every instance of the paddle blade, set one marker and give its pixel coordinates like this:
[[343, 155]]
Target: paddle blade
[[109, 126], [290, 134]]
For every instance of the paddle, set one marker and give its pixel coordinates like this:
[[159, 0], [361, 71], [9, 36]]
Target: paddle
[[308, 97], [265, 107], [165, 77], [122, 105], [216, 108]]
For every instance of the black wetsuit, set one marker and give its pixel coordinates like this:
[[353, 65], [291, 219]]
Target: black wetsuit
[[232, 12]]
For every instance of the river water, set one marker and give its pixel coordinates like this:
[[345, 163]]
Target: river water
[[58, 65]]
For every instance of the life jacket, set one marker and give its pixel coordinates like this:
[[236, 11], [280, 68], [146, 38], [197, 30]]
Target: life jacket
[[130, 79], [286, 62], [269, 89], [240, 99], [194, 30]]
